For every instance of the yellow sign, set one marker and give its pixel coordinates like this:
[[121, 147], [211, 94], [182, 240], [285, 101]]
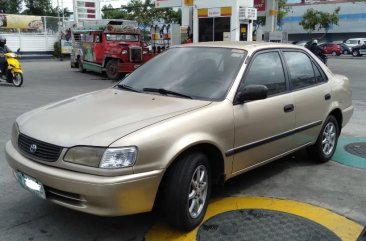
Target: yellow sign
[[273, 12], [20, 21], [188, 2]]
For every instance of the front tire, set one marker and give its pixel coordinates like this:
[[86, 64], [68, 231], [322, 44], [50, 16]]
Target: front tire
[[355, 53], [187, 191], [326, 143], [334, 53], [18, 79], [112, 70]]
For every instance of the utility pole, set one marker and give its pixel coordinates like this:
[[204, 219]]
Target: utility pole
[[59, 29]]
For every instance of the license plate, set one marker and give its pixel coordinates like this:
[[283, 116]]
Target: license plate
[[31, 184]]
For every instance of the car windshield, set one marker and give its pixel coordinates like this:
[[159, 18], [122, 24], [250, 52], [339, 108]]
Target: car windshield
[[122, 37], [204, 73]]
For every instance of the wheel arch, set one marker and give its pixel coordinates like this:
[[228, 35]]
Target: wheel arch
[[337, 113], [107, 58], [214, 156]]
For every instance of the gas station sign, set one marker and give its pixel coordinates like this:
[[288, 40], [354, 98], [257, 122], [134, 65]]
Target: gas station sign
[[260, 5], [86, 10], [248, 14]]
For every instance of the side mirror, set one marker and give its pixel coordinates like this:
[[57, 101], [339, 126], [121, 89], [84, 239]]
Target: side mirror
[[251, 92], [18, 50]]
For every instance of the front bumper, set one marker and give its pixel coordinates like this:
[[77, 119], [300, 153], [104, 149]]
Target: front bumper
[[100, 195]]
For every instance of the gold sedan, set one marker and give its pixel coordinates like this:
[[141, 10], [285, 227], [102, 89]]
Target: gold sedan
[[194, 116]]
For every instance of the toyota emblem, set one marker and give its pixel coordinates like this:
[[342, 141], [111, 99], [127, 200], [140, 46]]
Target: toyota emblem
[[33, 148]]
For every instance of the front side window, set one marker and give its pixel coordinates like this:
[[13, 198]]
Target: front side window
[[301, 70], [266, 69], [199, 72], [122, 37]]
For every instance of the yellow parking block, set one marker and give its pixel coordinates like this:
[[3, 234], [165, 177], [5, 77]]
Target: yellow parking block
[[344, 228]]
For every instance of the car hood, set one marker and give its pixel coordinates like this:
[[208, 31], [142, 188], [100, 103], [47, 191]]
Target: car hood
[[100, 118]]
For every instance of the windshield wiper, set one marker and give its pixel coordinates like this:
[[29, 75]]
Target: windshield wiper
[[127, 87], [166, 92]]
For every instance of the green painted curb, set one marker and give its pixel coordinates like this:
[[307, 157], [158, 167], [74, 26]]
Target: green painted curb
[[346, 158]]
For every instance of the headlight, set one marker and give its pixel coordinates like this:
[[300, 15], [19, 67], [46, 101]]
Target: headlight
[[119, 157], [124, 51], [83, 155], [15, 134], [102, 157]]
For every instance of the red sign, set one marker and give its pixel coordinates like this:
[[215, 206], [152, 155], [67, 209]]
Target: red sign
[[260, 5]]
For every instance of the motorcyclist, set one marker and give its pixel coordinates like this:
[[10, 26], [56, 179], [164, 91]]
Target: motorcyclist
[[3, 50], [317, 50]]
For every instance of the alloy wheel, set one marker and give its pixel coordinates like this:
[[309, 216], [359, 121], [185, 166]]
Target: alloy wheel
[[329, 138], [197, 195]]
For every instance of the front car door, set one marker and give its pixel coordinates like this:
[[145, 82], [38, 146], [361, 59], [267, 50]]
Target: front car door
[[262, 126], [311, 93], [98, 47]]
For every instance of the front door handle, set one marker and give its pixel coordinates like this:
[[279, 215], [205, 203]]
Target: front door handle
[[327, 97], [288, 108]]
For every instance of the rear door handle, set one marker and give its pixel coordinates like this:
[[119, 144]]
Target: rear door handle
[[327, 97], [288, 108]]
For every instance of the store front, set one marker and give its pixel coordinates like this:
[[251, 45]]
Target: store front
[[217, 20], [213, 29], [214, 24]]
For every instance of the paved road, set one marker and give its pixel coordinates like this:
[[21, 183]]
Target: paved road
[[25, 217]]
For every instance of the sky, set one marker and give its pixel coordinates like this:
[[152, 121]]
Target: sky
[[69, 3]]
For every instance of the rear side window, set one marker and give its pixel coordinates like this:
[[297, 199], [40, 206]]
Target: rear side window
[[301, 70], [318, 76], [266, 69]]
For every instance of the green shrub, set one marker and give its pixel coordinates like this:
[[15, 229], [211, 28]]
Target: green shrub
[[56, 49]]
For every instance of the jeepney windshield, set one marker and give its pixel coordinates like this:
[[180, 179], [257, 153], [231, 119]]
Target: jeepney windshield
[[122, 37]]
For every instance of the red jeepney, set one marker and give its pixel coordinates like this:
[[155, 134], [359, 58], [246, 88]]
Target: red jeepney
[[115, 48]]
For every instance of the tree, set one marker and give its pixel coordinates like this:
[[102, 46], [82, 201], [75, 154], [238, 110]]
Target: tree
[[38, 7], [283, 9], [142, 12], [11, 6], [318, 20], [114, 13]]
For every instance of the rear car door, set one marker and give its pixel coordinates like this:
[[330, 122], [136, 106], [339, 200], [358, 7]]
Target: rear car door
[[311, 93], [262, 126]]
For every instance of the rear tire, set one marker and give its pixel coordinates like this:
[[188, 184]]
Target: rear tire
[[326, 143], [112, 70], [18, 79], [187, 191]]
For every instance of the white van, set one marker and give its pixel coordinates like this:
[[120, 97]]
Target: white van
[[352, 42]]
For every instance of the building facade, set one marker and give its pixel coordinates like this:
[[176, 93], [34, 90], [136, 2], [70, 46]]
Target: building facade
[[352, 20]]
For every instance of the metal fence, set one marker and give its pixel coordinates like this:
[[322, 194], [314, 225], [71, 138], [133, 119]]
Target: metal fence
[[40, 36]]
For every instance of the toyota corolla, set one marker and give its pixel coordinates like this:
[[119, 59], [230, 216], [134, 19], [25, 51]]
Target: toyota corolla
[[193, 117]]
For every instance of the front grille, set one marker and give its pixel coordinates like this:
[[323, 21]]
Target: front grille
[[43, 151], [136, 55]]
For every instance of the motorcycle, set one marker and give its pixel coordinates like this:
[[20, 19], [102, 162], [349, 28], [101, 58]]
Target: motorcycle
[[323, 58], [14, 72]]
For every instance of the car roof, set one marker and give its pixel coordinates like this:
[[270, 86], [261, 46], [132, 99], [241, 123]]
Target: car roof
[[356, 39], [245, 45]]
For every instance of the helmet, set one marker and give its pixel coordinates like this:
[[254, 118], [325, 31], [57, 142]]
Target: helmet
[[315, 41], [2, 40]]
